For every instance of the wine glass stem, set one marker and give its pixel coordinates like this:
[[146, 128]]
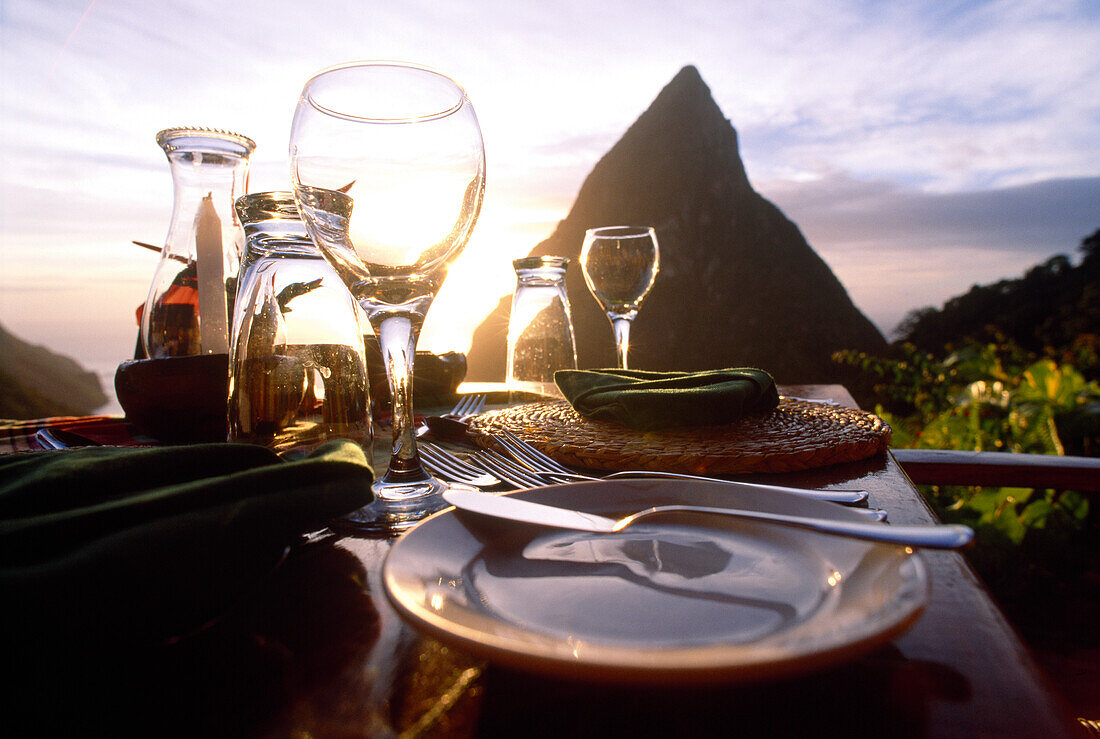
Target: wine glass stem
[[397, 336], [621, 327]]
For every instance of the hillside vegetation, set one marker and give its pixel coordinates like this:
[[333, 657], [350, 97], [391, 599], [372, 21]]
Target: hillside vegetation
[[1053, 310], [37, 383], [1010, 367]]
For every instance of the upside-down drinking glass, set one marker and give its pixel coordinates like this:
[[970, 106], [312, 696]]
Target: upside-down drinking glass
[[620, 264], [297, 366], [388, 168], [540, 326]]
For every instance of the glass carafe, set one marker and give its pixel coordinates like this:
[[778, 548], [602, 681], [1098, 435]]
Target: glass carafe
[[187, 309], [540, 327], [298, 372]]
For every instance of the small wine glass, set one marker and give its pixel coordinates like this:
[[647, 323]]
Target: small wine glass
[[388, 168], [620, 264]]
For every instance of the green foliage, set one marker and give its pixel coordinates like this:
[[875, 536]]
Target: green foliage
[[996, 397], [1021, 361], [987, 397]]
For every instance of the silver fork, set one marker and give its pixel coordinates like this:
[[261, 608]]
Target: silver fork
[[542, 464], [468, 406], [515, 474], [522, 477], [451, 422], [450, 468]]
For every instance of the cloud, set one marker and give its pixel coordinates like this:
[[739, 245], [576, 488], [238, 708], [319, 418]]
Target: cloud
[[1039, 218], [978, 95], [955, 138], [896, 248]]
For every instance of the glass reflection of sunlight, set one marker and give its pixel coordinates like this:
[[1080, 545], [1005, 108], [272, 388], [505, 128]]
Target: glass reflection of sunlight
[[399, 219], [313, 322], [506, 230], [474, 285]]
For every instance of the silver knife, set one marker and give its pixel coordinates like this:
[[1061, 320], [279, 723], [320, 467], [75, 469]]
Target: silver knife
[[952, 536]]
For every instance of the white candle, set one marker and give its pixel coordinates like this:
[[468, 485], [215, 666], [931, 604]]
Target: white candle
[[213, 322]]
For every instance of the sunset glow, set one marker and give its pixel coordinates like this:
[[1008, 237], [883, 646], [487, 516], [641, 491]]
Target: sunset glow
[[921, 148]]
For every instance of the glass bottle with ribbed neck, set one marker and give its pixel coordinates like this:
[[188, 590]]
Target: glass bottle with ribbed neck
[[188, 305]]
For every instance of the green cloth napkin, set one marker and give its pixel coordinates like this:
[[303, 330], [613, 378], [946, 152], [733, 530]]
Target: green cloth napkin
[[653, 400], [140, 545]]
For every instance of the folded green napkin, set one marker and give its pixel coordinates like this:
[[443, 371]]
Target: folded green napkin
[[653, 400], [140, 545]]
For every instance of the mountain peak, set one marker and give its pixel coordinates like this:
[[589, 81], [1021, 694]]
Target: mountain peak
[[681, 135], [687, 84], [738, 286], [688, 74]]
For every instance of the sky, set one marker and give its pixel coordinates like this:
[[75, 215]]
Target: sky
[[922, 146]]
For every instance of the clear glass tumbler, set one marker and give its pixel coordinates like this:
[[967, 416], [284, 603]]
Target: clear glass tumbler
[[298, 370], [540, 327]]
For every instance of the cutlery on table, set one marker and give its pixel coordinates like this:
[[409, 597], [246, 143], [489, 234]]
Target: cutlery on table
[[820, 401], [490, 468], [513, 473], [61, 439], [452, 423], [542, 464], [519, 477], [449, 468], [950, 536]]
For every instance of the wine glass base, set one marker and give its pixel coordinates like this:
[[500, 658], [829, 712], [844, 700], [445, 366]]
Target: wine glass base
[[378, 519], [397, 507]]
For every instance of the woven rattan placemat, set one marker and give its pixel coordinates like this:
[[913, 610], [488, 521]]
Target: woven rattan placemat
[[795, 436]]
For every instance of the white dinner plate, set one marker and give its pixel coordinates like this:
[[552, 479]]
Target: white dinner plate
[[688, 599]]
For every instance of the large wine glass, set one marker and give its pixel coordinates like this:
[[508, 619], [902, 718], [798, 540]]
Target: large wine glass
[[388, 168], [620, 264]]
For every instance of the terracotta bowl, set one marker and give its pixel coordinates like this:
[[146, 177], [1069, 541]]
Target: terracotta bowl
[[176, 399]]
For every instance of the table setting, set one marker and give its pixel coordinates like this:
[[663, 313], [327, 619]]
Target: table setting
[[304, 525]]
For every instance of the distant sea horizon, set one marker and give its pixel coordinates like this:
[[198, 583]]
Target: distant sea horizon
[[104, 367]]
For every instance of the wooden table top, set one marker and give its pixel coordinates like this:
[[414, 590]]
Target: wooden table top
[[316, 650]]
